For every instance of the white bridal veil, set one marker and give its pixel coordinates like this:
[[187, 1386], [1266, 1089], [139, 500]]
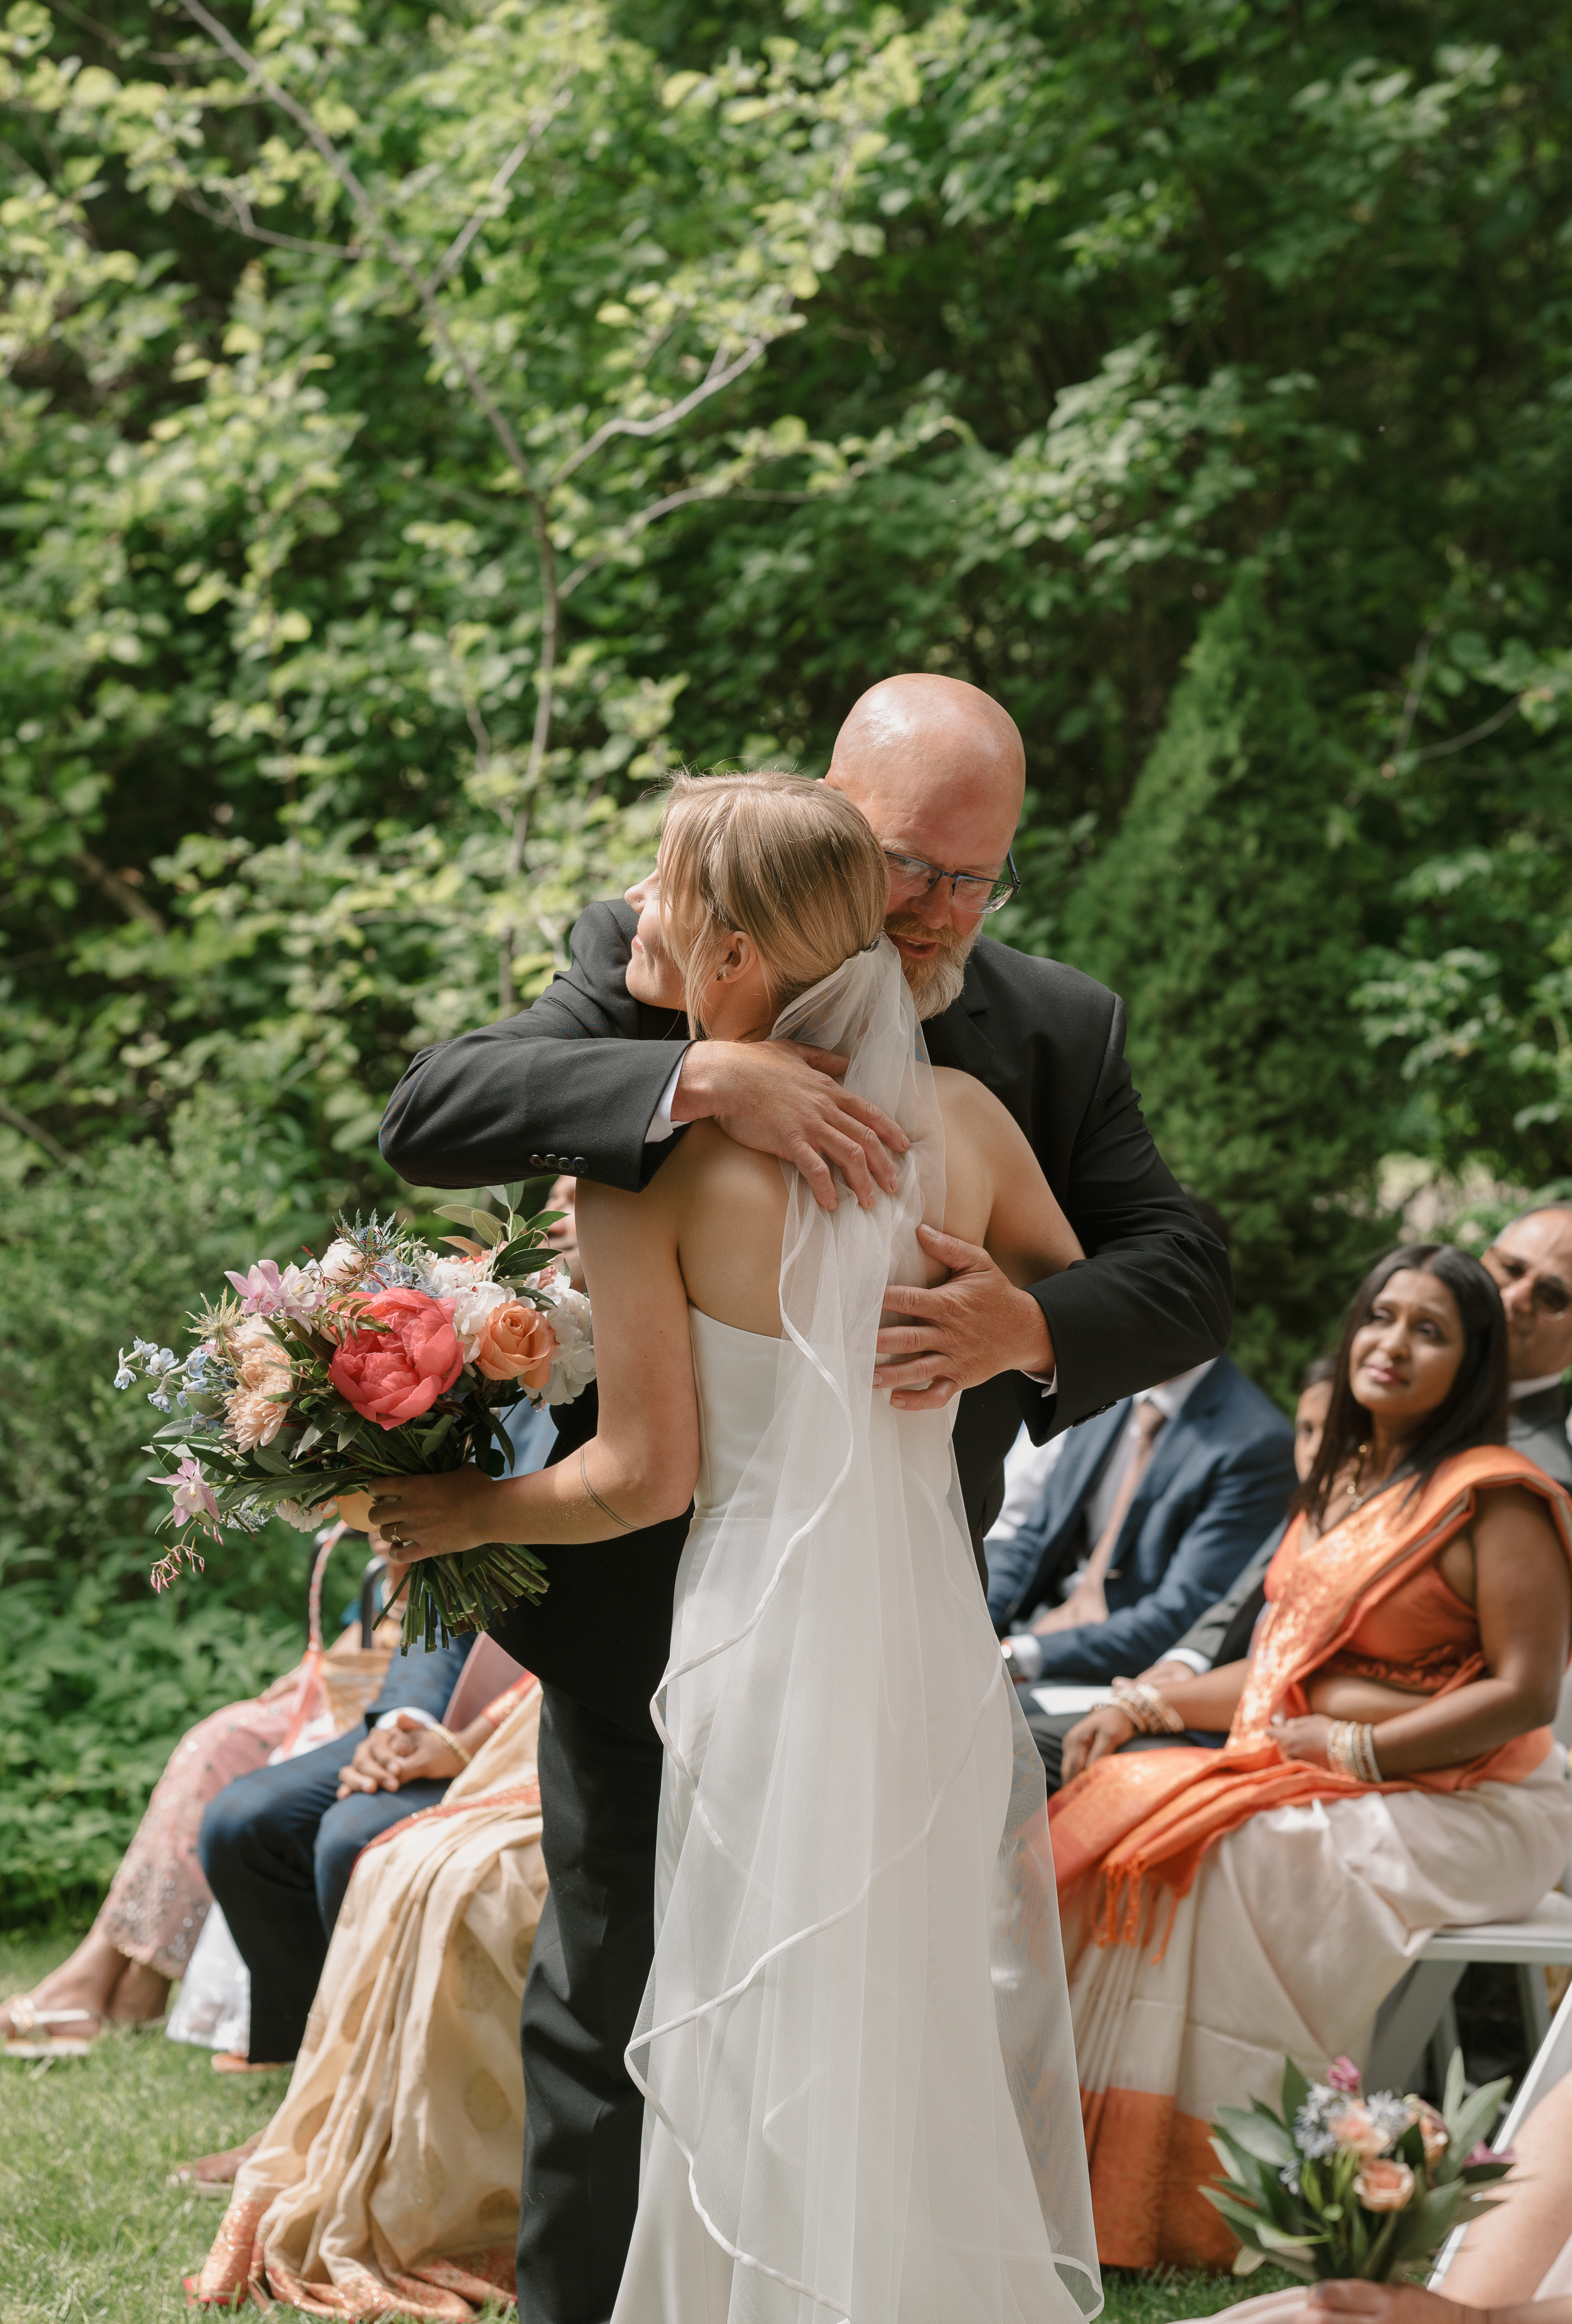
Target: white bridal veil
[[855, 2031]]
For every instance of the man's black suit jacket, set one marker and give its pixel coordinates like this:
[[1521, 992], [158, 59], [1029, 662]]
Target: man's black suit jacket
[[573, 1083]]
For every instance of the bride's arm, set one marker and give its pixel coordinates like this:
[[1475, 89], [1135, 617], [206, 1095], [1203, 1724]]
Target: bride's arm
[[640, 1465]]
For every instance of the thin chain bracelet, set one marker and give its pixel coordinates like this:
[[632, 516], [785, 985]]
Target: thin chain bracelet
[[604, 1506]]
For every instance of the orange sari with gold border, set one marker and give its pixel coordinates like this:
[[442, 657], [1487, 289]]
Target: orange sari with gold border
[[1131, 1834]]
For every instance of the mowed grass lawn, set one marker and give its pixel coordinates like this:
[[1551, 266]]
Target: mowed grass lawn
[[90, 2230]]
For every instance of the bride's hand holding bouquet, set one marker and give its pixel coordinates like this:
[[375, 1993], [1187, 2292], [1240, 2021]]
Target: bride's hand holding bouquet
[[317, 1386]]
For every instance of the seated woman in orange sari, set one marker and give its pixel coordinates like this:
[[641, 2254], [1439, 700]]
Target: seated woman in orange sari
[[1388, 1771]]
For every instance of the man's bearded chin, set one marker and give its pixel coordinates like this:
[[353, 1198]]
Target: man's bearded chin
[[936, 981]]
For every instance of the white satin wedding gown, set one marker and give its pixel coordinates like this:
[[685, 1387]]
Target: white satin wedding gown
[[861, 2100]]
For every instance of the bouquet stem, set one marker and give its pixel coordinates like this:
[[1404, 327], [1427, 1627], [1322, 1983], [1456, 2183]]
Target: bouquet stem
[[448, 1596]]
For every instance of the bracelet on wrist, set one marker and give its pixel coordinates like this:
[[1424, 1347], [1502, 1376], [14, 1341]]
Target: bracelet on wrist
[[1148, 1711], [1351, 1751], [461, 1751]]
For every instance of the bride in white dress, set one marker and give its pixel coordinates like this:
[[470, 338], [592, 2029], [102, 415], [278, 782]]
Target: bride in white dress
[[861, 2100]]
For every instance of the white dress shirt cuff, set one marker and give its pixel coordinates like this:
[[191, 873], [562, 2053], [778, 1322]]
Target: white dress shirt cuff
[[1199, 1663], [407, 1711], [1047, 1382], [1026, 1654], [661, 1124]]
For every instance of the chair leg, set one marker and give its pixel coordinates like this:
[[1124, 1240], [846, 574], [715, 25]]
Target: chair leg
[[1406, 2020], [1535, 2002], [1442, 2042]]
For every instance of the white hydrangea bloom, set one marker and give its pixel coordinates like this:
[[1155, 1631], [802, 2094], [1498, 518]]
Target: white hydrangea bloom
[[572, 1367]]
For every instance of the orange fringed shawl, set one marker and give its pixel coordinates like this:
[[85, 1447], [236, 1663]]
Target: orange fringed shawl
[[1151, 1815]]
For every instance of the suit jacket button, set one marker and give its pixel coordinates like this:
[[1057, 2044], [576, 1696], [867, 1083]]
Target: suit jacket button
[[580, 1166], [535, 1161]]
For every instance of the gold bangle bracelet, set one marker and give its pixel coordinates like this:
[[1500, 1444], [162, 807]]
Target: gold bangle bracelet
[[460, 1750]]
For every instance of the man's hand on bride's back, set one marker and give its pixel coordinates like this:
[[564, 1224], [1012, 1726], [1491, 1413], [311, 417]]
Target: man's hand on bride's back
[[960, 1332], [780, 1098]]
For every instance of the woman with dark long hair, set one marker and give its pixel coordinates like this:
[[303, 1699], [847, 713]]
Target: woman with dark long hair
[[1388, 1770]]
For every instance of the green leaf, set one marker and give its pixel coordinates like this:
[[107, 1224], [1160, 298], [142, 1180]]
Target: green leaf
[[1295, 2090], [1260, 2135]]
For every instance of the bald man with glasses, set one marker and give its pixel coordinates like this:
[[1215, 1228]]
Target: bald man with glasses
[[1532, 1263], [596, 1079]]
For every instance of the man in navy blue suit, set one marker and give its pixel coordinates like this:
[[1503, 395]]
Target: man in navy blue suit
[[1118, 1534]]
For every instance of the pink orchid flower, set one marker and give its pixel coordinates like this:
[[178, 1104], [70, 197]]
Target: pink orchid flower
[[261, 1292], [1343, 2074], [192, 1496]]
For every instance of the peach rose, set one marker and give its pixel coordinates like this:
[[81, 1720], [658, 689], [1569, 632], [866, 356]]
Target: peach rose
[[1384, 2186], [515, 1341], [253, 1417], [1353, 2128]]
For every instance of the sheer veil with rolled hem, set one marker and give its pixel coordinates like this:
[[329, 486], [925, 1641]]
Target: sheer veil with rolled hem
[[855, 2045]]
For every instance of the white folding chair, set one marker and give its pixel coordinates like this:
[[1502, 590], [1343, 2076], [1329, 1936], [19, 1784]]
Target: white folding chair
[[1551, 2062], [1419, 2013]]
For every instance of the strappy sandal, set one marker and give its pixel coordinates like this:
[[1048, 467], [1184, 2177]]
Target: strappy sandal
[[33, 2023]]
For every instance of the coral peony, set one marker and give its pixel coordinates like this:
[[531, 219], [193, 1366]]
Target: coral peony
[[1384, 2186], [515, 1341], [1343, 2074], [1353, 2128], [396, 1374]]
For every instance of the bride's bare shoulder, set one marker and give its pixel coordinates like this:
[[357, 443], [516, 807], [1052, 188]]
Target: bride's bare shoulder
[[706, 1153], [969, 1108]]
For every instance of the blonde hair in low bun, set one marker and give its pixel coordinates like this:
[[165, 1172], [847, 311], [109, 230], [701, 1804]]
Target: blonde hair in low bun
[[776, 857]]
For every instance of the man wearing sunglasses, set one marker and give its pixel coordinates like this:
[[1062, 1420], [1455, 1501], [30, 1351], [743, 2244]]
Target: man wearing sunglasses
[[595, 1080], [1532, 1263]]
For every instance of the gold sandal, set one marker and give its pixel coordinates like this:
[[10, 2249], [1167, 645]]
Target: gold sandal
[[33, 2023]]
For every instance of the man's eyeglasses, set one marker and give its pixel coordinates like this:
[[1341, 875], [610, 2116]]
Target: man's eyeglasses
[[969, 891]]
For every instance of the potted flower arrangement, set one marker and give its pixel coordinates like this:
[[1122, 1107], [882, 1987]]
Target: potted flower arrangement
[[1339, 2184], [311, 1385]]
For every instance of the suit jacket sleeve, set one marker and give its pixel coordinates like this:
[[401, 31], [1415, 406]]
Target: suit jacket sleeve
[[419, 1681], [565, 1084], [1247, 1502], [1154, 1294], [1205, 1637]]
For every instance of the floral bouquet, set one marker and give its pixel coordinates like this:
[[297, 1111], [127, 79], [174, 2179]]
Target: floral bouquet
[[1342, 2185], [384, 1358]]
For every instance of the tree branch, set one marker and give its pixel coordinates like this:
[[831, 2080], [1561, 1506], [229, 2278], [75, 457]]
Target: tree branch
[[454, 255], [1475, 734], [1416, 687], [55, 1152], [118, 890], [242, 222], [637, 524], [710, 384]]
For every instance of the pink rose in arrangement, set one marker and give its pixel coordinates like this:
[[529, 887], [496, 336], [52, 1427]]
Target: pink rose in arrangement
[[1353, 2129], [1384, 2186], [1343, 2074], [515, 1341], [396, 1374]]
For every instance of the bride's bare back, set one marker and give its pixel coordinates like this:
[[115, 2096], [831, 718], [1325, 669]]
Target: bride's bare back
[[721, 1208]]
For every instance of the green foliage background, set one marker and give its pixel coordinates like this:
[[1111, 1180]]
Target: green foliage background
[[417, 429]]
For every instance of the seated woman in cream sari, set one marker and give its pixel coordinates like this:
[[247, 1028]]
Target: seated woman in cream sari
[[1388, 1770], [387, 2181]]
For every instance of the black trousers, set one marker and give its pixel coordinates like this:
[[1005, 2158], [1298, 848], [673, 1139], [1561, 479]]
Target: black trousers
[[277, 1848], [600, 1796]]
